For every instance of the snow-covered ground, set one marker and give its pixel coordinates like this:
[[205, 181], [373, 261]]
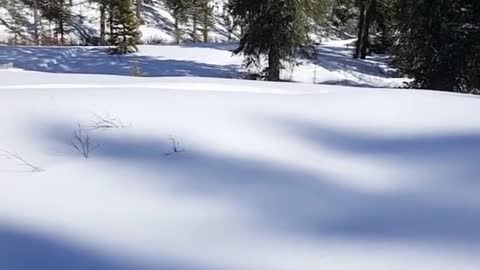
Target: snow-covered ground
[[268, 176], [334, 64]]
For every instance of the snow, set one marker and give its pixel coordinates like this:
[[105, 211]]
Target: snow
[[273, 176], [332, 66]]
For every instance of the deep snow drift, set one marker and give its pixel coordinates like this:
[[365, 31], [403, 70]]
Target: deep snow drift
[[268, 176]]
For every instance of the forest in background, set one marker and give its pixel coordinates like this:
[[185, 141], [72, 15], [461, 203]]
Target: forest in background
[[437, 43]]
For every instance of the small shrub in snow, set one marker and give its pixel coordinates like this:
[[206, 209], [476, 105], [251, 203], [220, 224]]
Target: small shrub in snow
[[106, 122], [82, 142], [175, 147]]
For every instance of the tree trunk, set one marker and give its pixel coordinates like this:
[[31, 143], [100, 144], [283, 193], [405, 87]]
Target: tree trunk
[[61, 29], [178, 35], [102, 25], [110, 21], [55, 32], [229, 36], [139, 10], [366, 29], [35, 23], [273, 65], [206, 21], [195, 25], [361, 25], [125, 40]]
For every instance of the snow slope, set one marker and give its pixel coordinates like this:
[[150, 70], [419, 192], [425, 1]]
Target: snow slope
[[334, 64], [272, 176]]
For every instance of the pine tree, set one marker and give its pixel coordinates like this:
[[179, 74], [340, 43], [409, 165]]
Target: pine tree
[[439, 44], [36, 34], [367, 14], [103, 21], [206, 9], [34, 5], [384, 25], [179, 10], [275, 29], [58, 12], [343, 18], [124, 24], [200, 13], [231, 23], [194, 13], [138, 10], [16, 21], [103, 6]]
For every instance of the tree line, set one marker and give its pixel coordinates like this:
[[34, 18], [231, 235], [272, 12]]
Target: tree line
[[117, 17], [435, 42]]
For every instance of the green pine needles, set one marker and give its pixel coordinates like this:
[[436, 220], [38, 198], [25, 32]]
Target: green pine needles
[[439, 44], [275, 30], [124, 24]]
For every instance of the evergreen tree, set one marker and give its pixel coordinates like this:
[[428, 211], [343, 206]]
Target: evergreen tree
[[138, 10], [384, 23], [124, 24], [16, 22], [376, 26], [103, 6], [194, 13], [200, 12], [36, 19], [439, 44], [344, 16], [206, 9], [34, 5], [179, 9], [231, 23], [367, 14], [58, 12], [275, 29]]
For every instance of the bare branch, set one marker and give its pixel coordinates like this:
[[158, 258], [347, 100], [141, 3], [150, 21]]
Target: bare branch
[[106, 122], [24, 162], [82, 142], [175, 147]]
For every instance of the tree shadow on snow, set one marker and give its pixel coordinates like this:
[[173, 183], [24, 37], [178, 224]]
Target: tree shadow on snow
[[443, 166], [217, 46], [156, 18], [339, 59], [97, 61], [21, 249], [295, 201]]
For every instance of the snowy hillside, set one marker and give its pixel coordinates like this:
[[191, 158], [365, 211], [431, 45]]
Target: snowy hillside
[[157, 28], [333, 65], [267, 176]]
